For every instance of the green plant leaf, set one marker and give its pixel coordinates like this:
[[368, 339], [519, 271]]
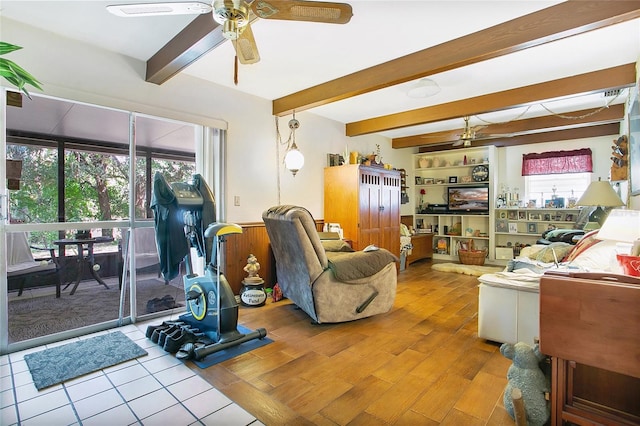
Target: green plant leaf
[[14, 73], [8, 48], [22, 73]]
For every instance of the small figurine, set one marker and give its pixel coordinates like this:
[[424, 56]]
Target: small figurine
[[252, 266]]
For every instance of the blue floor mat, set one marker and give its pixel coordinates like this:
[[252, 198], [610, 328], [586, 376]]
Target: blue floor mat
[[234, 351]]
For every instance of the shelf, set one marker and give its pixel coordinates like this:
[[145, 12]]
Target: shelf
[[460, 166], [456, 214], [436, 195]]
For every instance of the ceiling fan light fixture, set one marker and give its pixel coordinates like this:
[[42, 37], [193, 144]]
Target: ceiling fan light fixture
[[231, 30], [423, 88], [233, 15]]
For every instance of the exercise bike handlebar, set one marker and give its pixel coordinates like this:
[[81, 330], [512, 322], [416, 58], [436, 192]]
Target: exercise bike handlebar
[[218, 229]]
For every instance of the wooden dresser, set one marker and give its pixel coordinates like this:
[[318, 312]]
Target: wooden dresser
[[590, 326]]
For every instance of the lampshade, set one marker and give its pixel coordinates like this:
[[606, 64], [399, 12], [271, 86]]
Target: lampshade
[[293, 159], [599, 193], [621, 225]]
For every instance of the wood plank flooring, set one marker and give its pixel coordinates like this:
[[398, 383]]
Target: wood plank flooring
[[420, 364]]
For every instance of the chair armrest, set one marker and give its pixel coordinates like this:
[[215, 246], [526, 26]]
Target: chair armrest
[[51, 251]]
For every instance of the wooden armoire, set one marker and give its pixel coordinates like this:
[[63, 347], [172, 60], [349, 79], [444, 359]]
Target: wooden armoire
[[365, 201]]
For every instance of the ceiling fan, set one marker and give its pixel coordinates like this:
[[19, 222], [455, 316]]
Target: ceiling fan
[[467, 136], [235, 16], [464, 139]]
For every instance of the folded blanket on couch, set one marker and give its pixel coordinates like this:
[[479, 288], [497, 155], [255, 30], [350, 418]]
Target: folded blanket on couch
[[352, 266]]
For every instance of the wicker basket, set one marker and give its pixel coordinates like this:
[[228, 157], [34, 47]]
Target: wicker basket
[[470, 256]]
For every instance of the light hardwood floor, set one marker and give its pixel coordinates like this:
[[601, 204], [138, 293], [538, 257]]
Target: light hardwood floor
[[420, 364]]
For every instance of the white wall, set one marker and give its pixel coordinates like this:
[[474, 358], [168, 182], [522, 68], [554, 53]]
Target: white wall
[[73, 70]]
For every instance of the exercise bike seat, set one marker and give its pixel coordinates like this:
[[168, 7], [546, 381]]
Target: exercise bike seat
[[218, 229]]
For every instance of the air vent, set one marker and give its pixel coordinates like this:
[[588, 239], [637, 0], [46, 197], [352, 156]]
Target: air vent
[[609, 93]]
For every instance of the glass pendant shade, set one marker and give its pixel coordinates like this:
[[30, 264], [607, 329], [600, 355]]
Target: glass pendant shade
[[293, 159]]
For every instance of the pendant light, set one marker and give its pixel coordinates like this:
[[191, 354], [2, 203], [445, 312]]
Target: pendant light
[[293, 159]]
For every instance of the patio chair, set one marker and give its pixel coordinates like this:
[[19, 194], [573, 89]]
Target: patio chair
[[23, 270], [147, 260]]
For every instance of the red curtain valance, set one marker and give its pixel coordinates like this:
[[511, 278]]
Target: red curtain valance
[[555, 162]]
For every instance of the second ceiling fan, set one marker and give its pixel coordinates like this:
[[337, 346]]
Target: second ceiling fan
[[236, 16]]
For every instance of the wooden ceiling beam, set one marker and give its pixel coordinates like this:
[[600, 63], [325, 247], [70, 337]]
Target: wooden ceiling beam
[[593, 82], [611, 129], [196, 39], [547, 25], [612, 114]]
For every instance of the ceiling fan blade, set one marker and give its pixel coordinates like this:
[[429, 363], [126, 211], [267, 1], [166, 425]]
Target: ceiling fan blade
[[313, 11], [480, 136], [246, 47], [157, 9]]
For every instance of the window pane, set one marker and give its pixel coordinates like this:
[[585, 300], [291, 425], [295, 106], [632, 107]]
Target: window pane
[[569, 185], [37, 199], [96, 186]]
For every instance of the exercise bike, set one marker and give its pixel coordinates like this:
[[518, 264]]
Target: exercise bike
[[212, 309]]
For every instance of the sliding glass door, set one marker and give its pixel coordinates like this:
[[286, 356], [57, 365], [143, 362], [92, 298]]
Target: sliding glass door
[[80, 242]]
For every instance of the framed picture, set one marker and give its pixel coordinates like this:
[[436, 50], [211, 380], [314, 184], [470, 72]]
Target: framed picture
[[513, 215], [554, 203], [569, 217], [532, 228], [427, 181], [453, 179], [418, 180], [557, 217], [546, 217], [513, 228], [465, 179], [522, 215], [531, 204], [501, 226], [535, 216], [503, 214]]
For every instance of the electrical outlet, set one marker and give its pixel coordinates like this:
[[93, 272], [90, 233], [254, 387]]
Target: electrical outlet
[[236, 200]]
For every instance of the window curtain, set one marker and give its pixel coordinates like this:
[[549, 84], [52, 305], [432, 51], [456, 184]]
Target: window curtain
[[556, 162]]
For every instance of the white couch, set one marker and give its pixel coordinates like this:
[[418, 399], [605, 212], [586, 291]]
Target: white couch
[[509, 302]]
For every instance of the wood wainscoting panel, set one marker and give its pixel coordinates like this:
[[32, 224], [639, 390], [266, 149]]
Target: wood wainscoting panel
[[253, 240]]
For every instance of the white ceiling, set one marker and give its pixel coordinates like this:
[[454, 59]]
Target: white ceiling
[[298, 55]]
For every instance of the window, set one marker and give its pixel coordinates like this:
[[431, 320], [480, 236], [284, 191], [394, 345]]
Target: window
[[557, 162], [566, 185]]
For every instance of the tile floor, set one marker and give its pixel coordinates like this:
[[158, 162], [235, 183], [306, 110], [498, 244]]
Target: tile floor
[[156, 389]]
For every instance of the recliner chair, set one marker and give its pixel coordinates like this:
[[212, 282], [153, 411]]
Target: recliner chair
[[330, 286]]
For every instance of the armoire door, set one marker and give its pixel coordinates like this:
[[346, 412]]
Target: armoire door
[[389, 217], [369, 226]]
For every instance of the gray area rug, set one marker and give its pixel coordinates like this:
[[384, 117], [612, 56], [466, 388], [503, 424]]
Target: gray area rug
[[31, 317], [66, 362]]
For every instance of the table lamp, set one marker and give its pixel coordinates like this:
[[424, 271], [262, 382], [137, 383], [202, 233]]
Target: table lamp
[[623, 226], [599, 194]]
